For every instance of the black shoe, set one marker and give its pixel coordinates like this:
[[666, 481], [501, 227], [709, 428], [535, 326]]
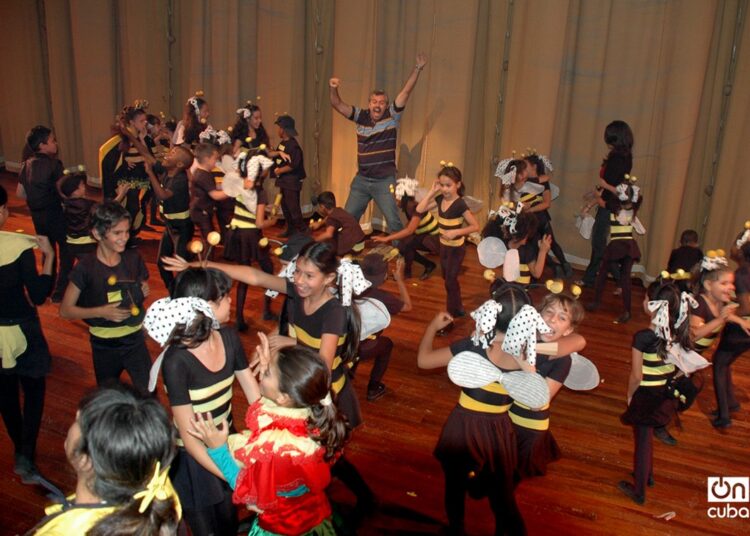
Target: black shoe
[[241, 326], [732, 409], [157, 222], [721, 423], [663, 435], [270, 315], [628, 489], [624, 318], [26, 469], [428, 271], [649, 483], [375, 392], [460, 314], [148, 228]]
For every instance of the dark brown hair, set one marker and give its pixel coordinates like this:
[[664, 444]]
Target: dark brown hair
[[305, 378]]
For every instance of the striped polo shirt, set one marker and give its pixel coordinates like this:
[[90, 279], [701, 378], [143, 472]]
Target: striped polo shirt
[[376, 141]]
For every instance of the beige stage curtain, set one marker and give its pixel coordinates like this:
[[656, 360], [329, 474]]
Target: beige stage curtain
[[545, 74]]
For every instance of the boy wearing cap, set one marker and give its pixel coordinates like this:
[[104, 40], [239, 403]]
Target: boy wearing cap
[[289, 175], [377, 345]]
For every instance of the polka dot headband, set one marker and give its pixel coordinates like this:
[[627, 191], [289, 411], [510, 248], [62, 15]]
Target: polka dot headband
[[660, 318], [622, 193], [165, 314], [522, 333], [485, 319], [714, 260], [686, 302], [351, 280]]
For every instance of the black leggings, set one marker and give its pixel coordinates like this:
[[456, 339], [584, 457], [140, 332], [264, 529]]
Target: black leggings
[[623, 267], [451, 258], [174, 240], [215, 520], [734, 342], [23, 427], [643, 469], [380, 349], [508, 519]]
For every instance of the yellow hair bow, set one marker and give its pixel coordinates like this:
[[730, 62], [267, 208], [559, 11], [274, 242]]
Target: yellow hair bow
[[158, 487], [443, 163]]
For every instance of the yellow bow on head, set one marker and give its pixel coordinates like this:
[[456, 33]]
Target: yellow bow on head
[[158, 487]]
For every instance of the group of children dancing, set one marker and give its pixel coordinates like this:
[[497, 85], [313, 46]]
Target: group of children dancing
[[136, 468]]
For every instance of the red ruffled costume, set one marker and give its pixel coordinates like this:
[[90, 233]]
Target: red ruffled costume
[[283, 471]]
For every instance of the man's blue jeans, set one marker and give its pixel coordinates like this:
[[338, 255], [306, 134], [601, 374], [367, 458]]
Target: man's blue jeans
[[364, 188]]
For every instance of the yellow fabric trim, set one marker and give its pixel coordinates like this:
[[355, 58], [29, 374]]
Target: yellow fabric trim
[[497, 388], [651, 357], [338, 385], [105, 148], [467, 402], [73, 521], [13, 244], [205, 392], [450, 222], [113, 333], [532, 424], [213, 404], [308, 340], [654, 383], [80, 240], [455, 242], [175, 215], [12, 344]]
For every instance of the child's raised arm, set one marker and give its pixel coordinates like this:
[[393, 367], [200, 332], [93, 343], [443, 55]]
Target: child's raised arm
[[429, 357]]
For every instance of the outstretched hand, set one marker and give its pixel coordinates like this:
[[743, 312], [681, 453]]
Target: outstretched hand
[[175, 264], [334, 82], [206, 430], [421, 60]]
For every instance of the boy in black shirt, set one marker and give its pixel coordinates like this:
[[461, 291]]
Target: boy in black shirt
[[107, 290], [40, 178], [685, 257], [77, 209], [289, 175], [203, 190], [171, 189]]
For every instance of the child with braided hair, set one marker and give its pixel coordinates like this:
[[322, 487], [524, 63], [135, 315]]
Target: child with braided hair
[[281, 465]]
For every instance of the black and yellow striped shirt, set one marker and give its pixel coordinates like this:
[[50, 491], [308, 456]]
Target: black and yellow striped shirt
[[188, 381], [704, 312], [451, 219], [655, 371], [525, 417], [308, 329], [619, 232]]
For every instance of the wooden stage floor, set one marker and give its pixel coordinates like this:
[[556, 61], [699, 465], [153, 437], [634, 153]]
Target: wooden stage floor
[[393, 449]]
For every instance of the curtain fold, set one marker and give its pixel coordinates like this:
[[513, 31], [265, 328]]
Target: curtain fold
[[572, 66]]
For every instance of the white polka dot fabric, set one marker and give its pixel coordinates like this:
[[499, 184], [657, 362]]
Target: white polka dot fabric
[[485, 318], [522, 332]]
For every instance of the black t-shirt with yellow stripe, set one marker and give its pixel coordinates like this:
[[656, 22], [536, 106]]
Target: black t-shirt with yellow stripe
[[101, 284], [557, 369], [188, 381], [655, 370], [450, 219], [309, 329]]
